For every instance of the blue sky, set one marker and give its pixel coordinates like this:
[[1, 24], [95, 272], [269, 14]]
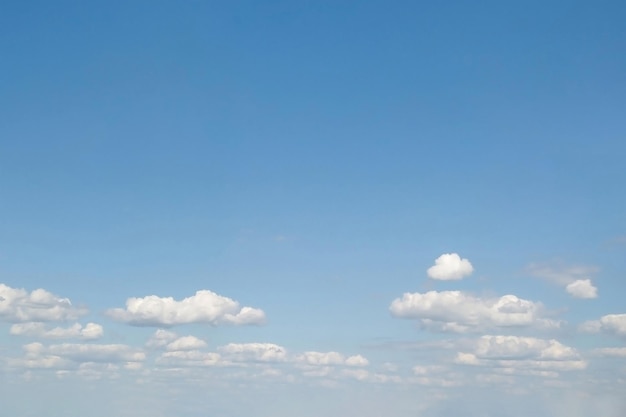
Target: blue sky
[[235, 208]]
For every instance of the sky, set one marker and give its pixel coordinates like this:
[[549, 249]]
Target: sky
[[305, 208]]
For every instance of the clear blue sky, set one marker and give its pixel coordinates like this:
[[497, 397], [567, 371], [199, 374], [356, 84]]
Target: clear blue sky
[[312, 160]]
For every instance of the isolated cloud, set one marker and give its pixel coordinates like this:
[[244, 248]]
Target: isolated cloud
[[450, 266], [331, 358], [90, 331], [203, 307], [515, 354], [261, 352], [575, 279], [459, 312], [186, 343], [582, 288], [161, 338], [611, 323], [18, 305]]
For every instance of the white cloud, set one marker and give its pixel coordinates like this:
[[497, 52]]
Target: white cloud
[[203, 307], [450, 266], [96, 353], [331, 358], [186, 343], [161, 338], [575, 279], [90, 331], [611, 352], [261, 352], [521, 355], [582, 288], [459, 312], [71, 355], [190, 358], [611, 323], [18, 305]]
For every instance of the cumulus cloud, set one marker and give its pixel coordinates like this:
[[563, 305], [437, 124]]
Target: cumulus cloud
[[190, 358], [161, 338], [450, 266], [331, 358], [575, 279], [203, 307], [91, 331], [261, 352], [18, 305], [459, 312], [186, 343], [582, 288], [71, 355], [611, 323], [515, 354]]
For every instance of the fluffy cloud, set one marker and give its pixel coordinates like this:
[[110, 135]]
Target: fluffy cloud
[[582, 288], [186, 343], [71, 355], [450, 266], [260, 352], [161, 338], [190, 358], [611, 323], [456, 311], [575, 279], [90, 331], [18, 305], [514, 354], [331, 358], [203, 307]]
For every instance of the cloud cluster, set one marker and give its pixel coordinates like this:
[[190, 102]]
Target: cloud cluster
[[575, 279], [68, 355], [254, 352], [331, 358], [450, 266], [611, 324], [457, 311], [91, 331], [203, 307], [515, 354], [18, 305]]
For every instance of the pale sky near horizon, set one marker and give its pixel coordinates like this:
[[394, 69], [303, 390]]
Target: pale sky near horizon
[[313, 208]]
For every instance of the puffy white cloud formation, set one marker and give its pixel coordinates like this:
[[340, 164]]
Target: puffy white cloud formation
[[331, 358], [190, 358], [68, 355], [514, 353], [261, 352], [456, 311], [18, 305], [90, 331], [582, 288], [203, 307], [450, 266], [186, 343], [575, 279], [161, 338], [611, 323]]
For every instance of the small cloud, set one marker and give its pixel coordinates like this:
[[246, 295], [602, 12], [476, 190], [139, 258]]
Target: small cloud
[[450, 266], [575, 279], [18, 305], [611, 324], [203, 307], [90, 331], [582, 288]]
